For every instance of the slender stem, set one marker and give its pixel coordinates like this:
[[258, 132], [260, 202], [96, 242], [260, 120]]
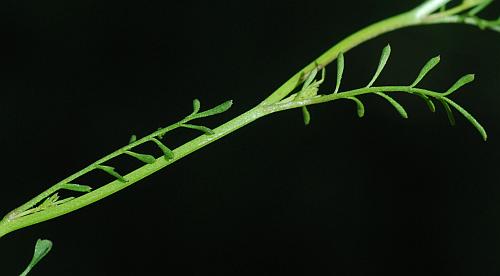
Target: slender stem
[[89, 168], [396, 22], [493, 25], [346, 95], [413, 17], [7, 226], [417, 16]]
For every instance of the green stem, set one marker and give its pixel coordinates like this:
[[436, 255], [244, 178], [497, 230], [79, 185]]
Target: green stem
[[413, 17], [87, 169], [13, 221], [493, 25], [396, 22], [272, 108], [8, 225]]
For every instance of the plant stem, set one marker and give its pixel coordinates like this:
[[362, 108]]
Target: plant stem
[[346, 95], [413, 17], [8, 225], [417, 16]]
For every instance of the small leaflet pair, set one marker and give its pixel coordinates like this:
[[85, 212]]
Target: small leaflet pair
[[155, 137], [196, 115], [311, 86], [52, 198]]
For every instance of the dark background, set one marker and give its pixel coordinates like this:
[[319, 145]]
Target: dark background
[[344, 196]]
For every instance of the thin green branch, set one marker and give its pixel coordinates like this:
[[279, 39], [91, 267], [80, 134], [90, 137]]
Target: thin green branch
[[483, 24], [421, 15], [21, 211], [8, 225]]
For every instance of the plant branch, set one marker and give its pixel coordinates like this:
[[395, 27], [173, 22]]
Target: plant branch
[[26, 215]]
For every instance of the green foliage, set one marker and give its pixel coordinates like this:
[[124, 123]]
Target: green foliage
[[428, 101], [426, 69], [111, 171], [386, 52], [340, 71], [146, 158], [223, 107], [461, 82], [303, 99], [449, 112], [469, 117], [479, 7], [196, 106], [132, 139], [203, 129], [42, 248], [76, 187], [168, 153], [394, 103], [310, 89], [360, 107], [48, 205], [50, 198]]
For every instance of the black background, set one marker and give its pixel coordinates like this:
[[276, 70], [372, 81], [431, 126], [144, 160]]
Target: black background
[[344, 196]]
